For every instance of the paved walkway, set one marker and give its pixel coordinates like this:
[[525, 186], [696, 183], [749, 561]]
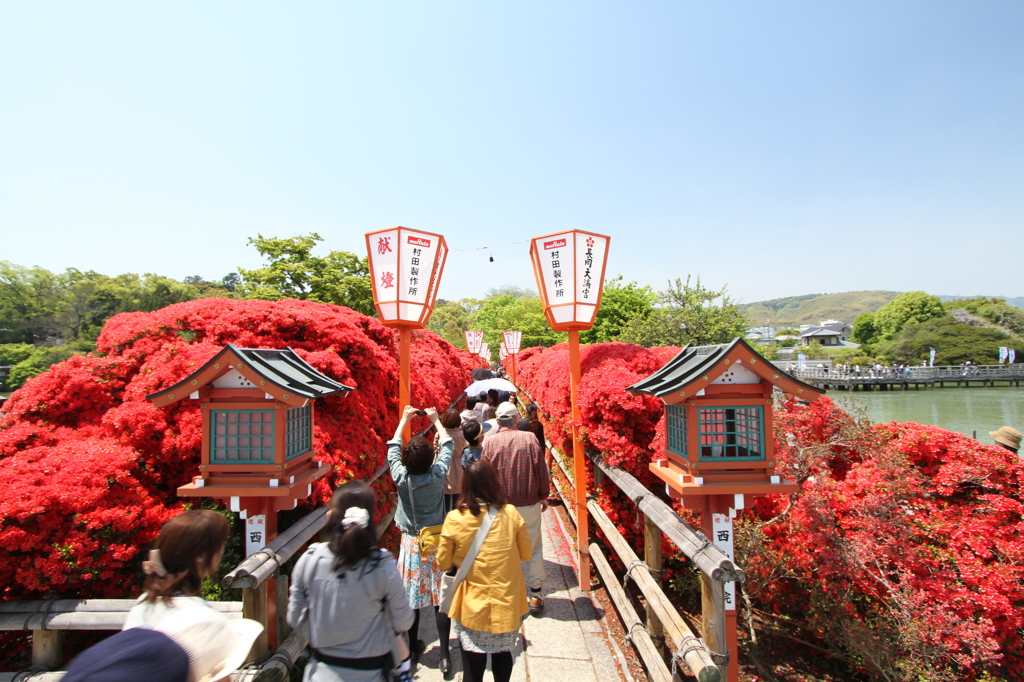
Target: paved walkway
[[569, 642]]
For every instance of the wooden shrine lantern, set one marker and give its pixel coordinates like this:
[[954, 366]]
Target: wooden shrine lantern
[[719, 450], [718, 417], [257, 407]]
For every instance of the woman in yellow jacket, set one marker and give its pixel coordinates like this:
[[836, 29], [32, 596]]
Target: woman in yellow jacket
[[490, 604]]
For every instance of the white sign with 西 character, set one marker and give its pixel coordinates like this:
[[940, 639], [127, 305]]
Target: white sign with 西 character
[[723, 540], [255, 533]]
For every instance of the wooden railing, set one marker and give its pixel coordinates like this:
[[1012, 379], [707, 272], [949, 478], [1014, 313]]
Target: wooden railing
[[48, 619], [916, 374], [662, 619]]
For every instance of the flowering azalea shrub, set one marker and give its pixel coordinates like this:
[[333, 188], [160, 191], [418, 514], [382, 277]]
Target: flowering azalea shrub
[[90, 467], [903, 550]]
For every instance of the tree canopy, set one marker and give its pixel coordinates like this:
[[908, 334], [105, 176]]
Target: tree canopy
[[911, 307], [688, 313], [292, 271]]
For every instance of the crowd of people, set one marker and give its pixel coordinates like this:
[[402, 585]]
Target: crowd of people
[[469, 507]]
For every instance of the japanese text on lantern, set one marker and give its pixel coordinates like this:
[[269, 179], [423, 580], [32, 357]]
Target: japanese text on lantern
[[555, 263], [588, 263]]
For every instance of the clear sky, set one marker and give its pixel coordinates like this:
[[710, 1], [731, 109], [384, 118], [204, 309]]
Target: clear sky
[[779, 148]]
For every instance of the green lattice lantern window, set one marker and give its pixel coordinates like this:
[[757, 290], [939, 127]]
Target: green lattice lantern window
[[298, 431], [242, 437], [731, 433]]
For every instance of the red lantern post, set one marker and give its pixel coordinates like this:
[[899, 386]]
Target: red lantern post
[[569, 267], [405, 268]]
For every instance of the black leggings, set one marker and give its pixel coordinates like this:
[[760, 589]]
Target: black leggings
[[444, 630], [474, 665]]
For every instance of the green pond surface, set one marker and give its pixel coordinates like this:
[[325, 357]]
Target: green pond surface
[[966, 410]]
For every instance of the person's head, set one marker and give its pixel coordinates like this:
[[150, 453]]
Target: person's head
[[470, 402], [507, 415], [451, 419], [350, 523], [531, 412], [480, 484], [482, 398], [187, 550], [418, 455], [1008, 437], [473, 432], [493, 397]]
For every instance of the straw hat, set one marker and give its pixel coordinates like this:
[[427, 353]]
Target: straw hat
[[216, 645], [1008, 436]]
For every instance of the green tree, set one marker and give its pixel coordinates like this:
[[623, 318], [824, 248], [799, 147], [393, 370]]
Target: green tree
[[28, 302], [450, 320], [910, 307], [688, 313], [620, 303], [864, 329], [519, 310], [292, 271], [954, 342]]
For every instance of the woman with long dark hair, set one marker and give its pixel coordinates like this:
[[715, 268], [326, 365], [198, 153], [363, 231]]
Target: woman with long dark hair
[[419, 481], [490, 604], [348, 594]]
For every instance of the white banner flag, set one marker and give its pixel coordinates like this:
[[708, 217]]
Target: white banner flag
[[1011, 355], [931, 358], [801, 360], [1004, 352]]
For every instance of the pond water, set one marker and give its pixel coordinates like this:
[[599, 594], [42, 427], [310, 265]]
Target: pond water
[[966, 410]]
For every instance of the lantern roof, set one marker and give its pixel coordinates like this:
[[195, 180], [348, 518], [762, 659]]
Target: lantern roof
[[697, 366], [282, 369]]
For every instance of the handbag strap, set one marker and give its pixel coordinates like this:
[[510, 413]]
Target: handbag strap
[[474, 549], [412, 502]]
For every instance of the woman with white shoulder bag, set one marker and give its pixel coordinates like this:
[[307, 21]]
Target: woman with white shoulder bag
[[486, 538]]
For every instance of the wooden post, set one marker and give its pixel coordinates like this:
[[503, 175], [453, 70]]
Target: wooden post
[[281, 599], [579, 464], [712, 602], [48, 649], [652, 557], [254, 607]]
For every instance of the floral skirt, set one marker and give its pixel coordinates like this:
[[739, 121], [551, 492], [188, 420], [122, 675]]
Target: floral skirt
[[485, 642], [420, 574]]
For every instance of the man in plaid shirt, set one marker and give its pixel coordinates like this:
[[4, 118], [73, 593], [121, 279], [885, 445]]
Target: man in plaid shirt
[[519, 461]]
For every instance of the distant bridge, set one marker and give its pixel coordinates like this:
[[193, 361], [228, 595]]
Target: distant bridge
[[928, 377]]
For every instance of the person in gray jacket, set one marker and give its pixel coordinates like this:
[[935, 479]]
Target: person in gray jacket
[[348, 595]]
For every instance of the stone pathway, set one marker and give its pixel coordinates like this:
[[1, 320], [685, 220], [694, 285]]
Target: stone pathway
[[569, 642]]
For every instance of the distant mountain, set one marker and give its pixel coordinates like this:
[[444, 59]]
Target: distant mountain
[[1015, 302], [794, 311], [813, 308]]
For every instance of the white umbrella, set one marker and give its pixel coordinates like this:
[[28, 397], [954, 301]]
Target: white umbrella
[[483, 385]]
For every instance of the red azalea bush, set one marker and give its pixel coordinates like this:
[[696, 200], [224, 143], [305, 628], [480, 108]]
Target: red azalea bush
[[903, 549], [90, 467]]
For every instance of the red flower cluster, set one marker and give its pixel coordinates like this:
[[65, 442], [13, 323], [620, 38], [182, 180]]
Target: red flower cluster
[[905, 546], [90, 467]]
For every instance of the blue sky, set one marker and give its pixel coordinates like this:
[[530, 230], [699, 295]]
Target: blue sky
[[777, 148]]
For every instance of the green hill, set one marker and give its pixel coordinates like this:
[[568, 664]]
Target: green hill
[[794, 311]]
